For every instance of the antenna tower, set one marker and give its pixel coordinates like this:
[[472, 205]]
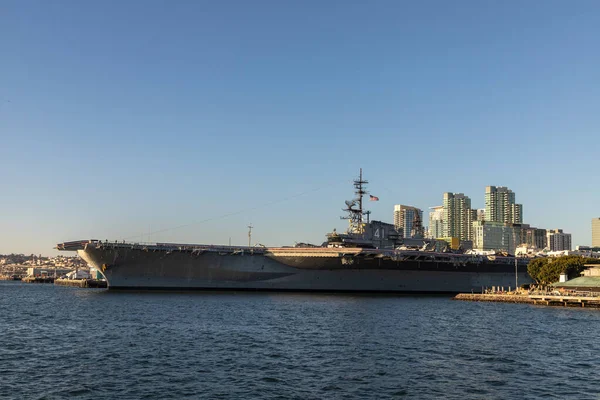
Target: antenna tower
[[355, 214]]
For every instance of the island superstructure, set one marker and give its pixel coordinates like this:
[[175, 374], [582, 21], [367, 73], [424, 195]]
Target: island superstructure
[[370, 256]]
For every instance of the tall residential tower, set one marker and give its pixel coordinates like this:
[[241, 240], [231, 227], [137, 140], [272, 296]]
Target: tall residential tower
[[500, 206], [436, 222], [457, 216], [558, 240], [596, 232]]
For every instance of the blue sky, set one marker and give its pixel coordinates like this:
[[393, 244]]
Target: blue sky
[[123, 118]]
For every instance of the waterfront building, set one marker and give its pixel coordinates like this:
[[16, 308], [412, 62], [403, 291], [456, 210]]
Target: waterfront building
[[558, 240], [47, 271], [500, 206], [497, 236], [436, 222], [595, 232], [457, 216], [410, 220]]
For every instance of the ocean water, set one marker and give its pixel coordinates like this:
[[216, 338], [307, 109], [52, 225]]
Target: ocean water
[[62, 342]]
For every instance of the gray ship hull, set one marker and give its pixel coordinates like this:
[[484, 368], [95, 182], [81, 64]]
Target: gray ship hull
[[349, 270]]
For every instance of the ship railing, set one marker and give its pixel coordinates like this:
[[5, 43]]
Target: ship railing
[[74, 245], [451, 257], [177, 246]]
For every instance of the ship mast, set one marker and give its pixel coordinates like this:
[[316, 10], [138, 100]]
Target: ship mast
[[355, 214], [250, 235]]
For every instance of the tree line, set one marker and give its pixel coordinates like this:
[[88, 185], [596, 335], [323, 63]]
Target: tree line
[[545, 271]]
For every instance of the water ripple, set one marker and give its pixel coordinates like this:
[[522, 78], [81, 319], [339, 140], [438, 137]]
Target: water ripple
[[58, 343]]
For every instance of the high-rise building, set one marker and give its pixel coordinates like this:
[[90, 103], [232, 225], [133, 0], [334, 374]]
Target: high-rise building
[[535, 238], [558, 240], [596, 232], [457, 216], [500, 206], [498, 236], [410, 220], [436, 222]]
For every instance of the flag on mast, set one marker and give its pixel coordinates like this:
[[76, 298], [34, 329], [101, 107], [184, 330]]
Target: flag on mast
[[373, 198]]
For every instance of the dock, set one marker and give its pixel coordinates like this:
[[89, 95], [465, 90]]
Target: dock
[[38, 279], [10, 278], [567, 300], [84, 283], [502, 298], [550, 299]]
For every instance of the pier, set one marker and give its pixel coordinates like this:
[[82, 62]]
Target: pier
[[38, 279], [549, 299], [10, 278], [502, 298], [568, 300], [84, 283]]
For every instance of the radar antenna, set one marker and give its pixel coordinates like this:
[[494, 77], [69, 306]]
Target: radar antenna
[[355, 215]]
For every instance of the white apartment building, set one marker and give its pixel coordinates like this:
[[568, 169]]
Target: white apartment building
[[436, 222]]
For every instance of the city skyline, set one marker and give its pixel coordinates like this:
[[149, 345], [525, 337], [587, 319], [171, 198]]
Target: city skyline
[[126, 120], [393, 219]]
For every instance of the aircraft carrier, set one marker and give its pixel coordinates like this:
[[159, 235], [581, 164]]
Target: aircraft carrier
[[369, 257]]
